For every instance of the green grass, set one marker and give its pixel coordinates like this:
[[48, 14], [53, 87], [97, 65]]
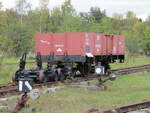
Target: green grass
[[132, 61], [125, 90], [11, 61], [6, 73]]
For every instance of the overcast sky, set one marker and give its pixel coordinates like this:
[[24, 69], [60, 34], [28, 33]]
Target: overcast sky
[[140, 7]]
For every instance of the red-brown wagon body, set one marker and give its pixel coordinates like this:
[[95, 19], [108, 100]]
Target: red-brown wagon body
[[78, 46]]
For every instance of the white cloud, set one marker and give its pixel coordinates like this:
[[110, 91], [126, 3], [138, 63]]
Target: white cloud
[[7, 3], [140, 7]]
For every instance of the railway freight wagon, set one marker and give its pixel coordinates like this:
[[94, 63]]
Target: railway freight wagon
[[78, 47], [70, 53]]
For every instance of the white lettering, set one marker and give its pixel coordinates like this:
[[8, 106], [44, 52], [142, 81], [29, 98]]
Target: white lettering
[[46, 42], [59, 45]]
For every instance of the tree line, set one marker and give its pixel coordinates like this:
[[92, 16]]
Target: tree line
[[18, 26]]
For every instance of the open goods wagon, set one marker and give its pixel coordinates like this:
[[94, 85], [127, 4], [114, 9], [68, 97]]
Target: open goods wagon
[[87, 50], [73, 54], [78, 47]]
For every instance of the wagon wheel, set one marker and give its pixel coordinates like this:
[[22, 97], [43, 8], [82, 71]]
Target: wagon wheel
[[62, 77], [45, 79], [42, 77], [80, 67], [56, 77], [14, 77], [73, 73], [59, 75]]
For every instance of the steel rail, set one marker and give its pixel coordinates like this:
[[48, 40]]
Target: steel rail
[[131, 70], [124, 109]]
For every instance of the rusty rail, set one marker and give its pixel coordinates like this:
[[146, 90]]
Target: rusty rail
[[131, 70], [124, 109], [13, 90]]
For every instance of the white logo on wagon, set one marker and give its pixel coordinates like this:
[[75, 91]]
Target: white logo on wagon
[[59, 50]]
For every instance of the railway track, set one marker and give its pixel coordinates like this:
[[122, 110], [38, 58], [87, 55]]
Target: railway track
[[131, 70], [125, 109], [12, 89]]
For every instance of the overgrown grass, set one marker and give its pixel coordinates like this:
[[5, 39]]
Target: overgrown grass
[[132, 61], [6, 73], [125, 90], [11, 61]]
